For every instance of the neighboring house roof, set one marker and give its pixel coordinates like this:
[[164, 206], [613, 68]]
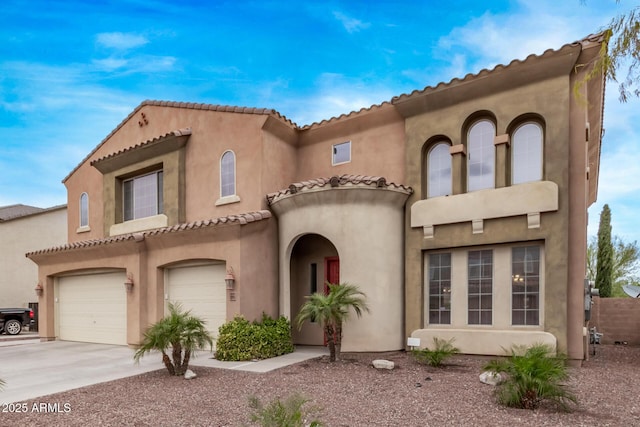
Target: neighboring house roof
[[337, 181], [19, 211], [241, 219]]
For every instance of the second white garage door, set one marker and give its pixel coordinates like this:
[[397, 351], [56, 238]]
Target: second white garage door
[[92, 308], [202, 290]]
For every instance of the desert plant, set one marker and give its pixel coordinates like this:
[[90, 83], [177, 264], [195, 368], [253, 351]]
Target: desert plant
[[240, 339], [182, 332], [442, 350], [2, 383], [293, 412], [533, 375], [331, 311]]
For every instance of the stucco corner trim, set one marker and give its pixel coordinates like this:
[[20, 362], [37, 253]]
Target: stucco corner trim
[[529, 199]]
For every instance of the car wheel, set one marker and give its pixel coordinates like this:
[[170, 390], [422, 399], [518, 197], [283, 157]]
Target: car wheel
[[12, 327]]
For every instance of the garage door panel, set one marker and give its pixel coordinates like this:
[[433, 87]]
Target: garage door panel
[[202, 290], [92, 308]]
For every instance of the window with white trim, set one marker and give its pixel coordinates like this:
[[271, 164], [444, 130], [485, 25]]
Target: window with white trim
[[481, 156], [84, 210], [228, 174], [341, 153], [440, 289], [439, 170], [527, 150], [480, 287], [142, 196], [525, 290]]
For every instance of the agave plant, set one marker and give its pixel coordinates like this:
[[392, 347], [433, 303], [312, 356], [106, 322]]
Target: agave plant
[[534, 375], [181, 332]]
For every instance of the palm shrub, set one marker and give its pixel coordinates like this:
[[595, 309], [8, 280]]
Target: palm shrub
[[293, 412], [442, 350], [533, 376], [181, 332], [331, 311]]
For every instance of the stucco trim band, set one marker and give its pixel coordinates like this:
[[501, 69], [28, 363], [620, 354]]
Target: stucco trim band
[[523, 199]]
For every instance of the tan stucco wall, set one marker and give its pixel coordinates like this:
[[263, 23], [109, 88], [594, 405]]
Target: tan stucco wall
[[18, 275], [365, 226], [506, 107]]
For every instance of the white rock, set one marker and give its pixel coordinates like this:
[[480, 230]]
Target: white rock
[[491, 378], [383, 364], [189, 374]]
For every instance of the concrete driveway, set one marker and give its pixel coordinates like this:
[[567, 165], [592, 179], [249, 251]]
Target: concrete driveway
[[32, 369]]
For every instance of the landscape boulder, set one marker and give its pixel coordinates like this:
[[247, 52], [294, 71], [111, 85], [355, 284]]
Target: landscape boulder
[[383, 364], [491, 378]]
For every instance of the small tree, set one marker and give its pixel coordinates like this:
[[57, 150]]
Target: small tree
[[181, 332], [626, 264], [332, 310], [533, 376], [604, 271]]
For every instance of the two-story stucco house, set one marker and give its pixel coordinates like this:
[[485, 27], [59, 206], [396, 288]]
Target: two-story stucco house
[[460, 210]]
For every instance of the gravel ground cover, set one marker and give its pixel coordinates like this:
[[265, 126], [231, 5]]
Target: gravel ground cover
[[348, 393]]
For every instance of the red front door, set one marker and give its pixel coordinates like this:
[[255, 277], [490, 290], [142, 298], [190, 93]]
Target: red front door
[[331, 272]]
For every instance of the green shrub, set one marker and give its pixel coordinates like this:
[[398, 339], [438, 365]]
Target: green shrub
[[442, 350], [534, 375], [240, 339], [290, 413]]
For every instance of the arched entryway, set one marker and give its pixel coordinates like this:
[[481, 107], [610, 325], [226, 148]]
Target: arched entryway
[[314, 261]]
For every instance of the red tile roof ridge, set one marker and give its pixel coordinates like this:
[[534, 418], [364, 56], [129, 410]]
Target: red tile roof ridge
[[177, 132], [336, 181], [242, 219]]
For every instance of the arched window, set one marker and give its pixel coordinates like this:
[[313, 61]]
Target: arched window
[[228, 174], [439, 170], [526, 148], [481, 156], [84, 210]]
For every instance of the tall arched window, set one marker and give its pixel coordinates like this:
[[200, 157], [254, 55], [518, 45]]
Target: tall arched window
[[228, 174], [481, 156], [526, 148], [439, 170], [84, 210]]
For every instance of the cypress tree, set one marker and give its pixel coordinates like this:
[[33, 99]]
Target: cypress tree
[[604, 273]]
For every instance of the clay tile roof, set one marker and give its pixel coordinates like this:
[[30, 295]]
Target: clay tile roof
[[337, 181], [10, 212], [241, 219]]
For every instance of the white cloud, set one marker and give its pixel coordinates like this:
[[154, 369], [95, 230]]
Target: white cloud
[[352, 25], [121, 41]]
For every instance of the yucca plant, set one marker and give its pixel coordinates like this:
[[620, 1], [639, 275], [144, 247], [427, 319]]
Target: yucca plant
[[181, 332], [293, 412], [534, 375], [442, 350]]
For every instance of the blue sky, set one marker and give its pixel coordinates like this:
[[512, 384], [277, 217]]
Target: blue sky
[[70, 71]]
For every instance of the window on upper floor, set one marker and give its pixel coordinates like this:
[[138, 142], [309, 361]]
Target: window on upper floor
[[527, 153], [228, 174], [439, 170], [142, 196], [481, 155], [341, 153], [84, 210]]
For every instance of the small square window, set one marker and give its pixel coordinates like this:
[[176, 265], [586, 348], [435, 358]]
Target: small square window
[[341, 153]]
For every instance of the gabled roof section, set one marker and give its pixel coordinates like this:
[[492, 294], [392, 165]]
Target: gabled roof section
[[159, 145], [241, 219], [338, 181], [10, 212], [188, 105]]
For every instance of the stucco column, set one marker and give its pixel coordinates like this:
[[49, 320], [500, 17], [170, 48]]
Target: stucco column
[[501, 143], [458, 174]]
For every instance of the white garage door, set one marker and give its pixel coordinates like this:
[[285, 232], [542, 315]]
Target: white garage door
[[202, 290], [92, 308]]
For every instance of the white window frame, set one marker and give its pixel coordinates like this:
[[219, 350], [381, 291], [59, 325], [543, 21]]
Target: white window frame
[[84, 206], [527, 157], [233, 197], [334, 153], [159, 199], [437, 192], [480, 147]]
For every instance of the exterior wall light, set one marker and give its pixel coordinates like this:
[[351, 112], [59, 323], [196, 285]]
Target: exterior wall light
[[39, 289], [230, 279], [128, 283]]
